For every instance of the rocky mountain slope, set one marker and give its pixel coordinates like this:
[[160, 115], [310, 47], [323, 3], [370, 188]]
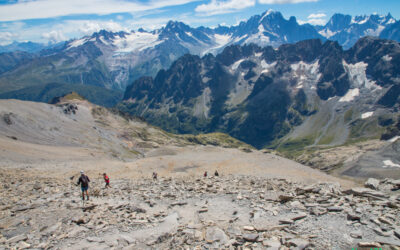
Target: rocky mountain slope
[[218, 212], [73, 125], [113, 60], [260, 94]]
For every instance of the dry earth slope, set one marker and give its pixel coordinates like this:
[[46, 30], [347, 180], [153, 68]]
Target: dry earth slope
[[260, 201]]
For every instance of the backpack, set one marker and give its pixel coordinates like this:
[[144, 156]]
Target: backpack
[[84, 180]]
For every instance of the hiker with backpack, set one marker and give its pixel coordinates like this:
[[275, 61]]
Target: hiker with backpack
[[155, 175], [84, 181], [107, 180]]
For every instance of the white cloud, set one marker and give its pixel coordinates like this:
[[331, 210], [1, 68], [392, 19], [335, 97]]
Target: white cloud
[[87, 27], [7, 38], [318, 15], [24, 10], [220, 7], [156, 23], [54, 36], [315, 19], [284, 1]]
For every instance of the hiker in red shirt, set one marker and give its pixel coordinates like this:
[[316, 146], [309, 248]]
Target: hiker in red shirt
[[107, 180]]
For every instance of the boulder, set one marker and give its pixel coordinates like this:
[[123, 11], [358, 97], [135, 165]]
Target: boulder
[[369, 244], [351, 216], [285, 198], [299, 216], [298, 243], [216, 234], [272, 244], [372, 183], [250, 237], [366, 192], [335, 209]]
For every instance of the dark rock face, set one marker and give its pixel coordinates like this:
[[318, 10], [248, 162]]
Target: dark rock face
[[334, 81], [382, 57], [391, 32], [197, 95]]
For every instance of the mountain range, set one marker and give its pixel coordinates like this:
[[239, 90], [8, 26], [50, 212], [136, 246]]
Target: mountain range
[[306, 94], [113, 60]]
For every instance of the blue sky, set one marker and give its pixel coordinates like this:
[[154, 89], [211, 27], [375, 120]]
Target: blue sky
[[58, 20]]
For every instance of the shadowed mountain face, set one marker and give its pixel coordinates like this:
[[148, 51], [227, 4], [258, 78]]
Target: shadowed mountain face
[[267, 96]]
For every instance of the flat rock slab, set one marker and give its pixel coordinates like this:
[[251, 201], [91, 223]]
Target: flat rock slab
[[298, 243], [216, 234], [272, 244], [250, 237], [366, 192]]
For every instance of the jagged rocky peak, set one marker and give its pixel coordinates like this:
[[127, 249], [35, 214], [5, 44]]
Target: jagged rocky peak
[[339, 22]]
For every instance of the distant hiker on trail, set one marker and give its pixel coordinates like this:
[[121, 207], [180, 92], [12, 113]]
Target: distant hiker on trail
[[216, 173], [205, 174], [84, 181], [107, 180], [155, 176]]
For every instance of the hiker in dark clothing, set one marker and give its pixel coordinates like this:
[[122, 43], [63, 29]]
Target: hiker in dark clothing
[[155, 175], [205, 174], [107, 180], [84, 181], [216, 173]]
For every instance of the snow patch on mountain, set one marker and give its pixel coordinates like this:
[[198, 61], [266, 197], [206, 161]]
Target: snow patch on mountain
[[136, 41], [327, 33], [306, 73], [350, 95], [77, 43], [266, 67], [366, 115], [374, 32], [387, 58], [236, 64], [203, 104], [357, 75], [269, 12], [103, 40], [259, 38], [220, 42], [389, 163]]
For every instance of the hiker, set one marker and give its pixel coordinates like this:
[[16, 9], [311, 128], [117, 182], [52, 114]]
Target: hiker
[[107, 180], [154, 176], [216, 173], [84, 181], [205, 174]]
